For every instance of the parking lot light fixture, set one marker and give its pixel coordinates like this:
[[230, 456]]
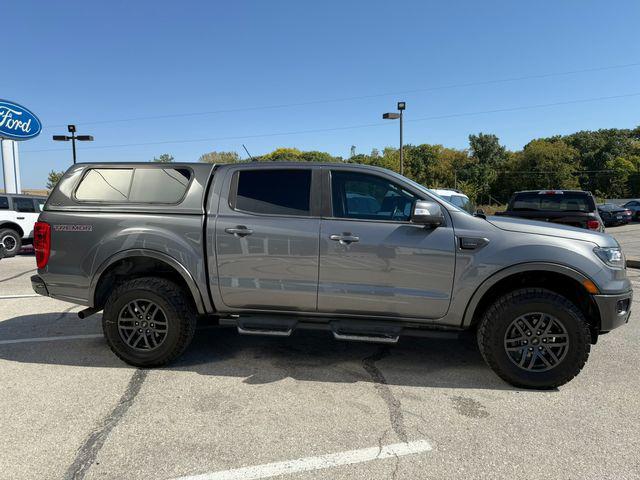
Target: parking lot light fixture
[[73, 138], [395, 116]]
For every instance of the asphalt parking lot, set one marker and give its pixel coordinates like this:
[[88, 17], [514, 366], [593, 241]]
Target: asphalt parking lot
[[628, 237], [307, 406]]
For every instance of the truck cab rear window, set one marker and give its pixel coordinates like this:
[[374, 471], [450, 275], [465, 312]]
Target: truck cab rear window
[[140, 185], [274, 192]]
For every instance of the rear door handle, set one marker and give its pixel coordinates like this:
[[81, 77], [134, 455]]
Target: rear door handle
[[20, 218], [345, 238], [239, 231]]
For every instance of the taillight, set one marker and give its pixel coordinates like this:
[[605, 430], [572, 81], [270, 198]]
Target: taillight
[[593, 225], [42, 243]]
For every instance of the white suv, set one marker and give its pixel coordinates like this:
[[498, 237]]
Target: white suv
[[18, 214], [455, 197]]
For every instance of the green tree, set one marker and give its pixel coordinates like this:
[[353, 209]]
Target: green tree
[[621, 170], [283, 154], [164, 158], [597, 149], [219, 157], [547, 164], [53, 178], [315, 156], [489, 157]]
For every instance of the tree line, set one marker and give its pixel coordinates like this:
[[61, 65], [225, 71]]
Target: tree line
[[605, 162]]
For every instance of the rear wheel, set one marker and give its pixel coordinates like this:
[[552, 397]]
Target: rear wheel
[[11, 241], [534, 338], [148, 322]]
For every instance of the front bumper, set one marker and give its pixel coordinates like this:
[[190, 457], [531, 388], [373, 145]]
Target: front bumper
[[39, 286], [614, 309]]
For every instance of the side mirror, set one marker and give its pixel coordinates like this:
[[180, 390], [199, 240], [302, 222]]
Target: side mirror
[[427, 212], [480, 213]]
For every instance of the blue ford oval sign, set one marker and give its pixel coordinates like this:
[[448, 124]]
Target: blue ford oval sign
[[17, 122]]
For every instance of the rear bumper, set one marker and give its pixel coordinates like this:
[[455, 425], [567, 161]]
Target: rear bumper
[[39, 286], [614, 309]]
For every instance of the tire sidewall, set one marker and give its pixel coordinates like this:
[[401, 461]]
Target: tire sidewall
[[110, 326], [568, 367], [16, 237]]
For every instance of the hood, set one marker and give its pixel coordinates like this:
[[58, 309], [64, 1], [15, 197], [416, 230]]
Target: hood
[[521, 225]]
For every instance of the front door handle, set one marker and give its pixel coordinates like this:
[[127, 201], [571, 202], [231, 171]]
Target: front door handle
[[239, 231], [345, 238], [20, 218]]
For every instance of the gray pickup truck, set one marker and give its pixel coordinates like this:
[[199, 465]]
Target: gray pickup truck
[[361, 252]]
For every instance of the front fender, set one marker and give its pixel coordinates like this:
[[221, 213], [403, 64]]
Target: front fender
[[512, 270]]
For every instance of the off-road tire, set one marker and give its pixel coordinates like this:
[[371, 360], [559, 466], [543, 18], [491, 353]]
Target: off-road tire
[[497, 318], [16, 238], [179, 311]]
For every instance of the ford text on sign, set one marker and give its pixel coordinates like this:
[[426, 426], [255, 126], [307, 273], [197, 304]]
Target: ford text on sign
[[17, 122]]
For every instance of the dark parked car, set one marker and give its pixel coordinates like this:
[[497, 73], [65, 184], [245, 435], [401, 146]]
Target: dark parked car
[[612, 214], [634, 206], [575, 208]]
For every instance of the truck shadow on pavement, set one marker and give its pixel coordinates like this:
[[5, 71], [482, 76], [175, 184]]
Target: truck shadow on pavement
[[308, 356]]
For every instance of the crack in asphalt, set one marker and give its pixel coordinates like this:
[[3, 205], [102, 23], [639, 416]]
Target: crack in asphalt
[[18, 275], [380, 383], [395, 469], [88, 451]]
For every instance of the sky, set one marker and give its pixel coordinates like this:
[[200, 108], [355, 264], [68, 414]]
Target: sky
[[185, 78]]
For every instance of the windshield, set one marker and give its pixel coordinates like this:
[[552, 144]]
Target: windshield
[[567, 202]]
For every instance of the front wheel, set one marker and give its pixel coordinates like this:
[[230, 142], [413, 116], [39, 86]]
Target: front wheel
[[534, 338], [148, 322]]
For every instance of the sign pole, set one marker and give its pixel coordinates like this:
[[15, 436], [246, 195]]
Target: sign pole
[[10, 166]]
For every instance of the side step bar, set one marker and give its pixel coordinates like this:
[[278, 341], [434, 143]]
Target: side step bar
[[344, 329], [365, 338], [271, 326], [365, 331], [264, 331]]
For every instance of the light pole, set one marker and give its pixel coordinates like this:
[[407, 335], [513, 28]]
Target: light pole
[[73, 138], [394, 116]]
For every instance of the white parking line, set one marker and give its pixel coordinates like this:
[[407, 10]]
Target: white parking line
[[49, 339], [28, 295], [321, 462]]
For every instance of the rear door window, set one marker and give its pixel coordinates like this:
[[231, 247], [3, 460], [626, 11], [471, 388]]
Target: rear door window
[[105, 185], [4, 203], [274, 192], [24, 205]]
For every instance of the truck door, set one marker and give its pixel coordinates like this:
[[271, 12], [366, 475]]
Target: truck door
[[373, 260], [267, 238]]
